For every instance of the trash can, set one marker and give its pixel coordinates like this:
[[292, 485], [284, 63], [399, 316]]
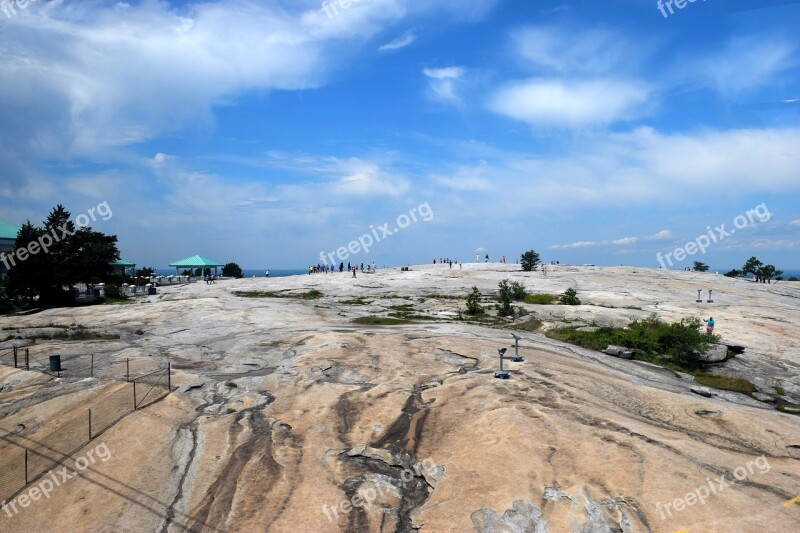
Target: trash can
[[151, 291], [55, 363]]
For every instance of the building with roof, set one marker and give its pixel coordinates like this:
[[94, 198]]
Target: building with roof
[[194, 262], [8, 236]]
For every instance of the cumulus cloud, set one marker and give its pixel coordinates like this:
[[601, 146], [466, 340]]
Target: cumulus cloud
[[568, 104], [660, 236], [625, 240]]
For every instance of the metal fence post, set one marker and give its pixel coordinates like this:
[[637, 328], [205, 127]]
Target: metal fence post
[[27, 360], [15, 357], [90, 424], [169, 376], [127, 370], [134, 395]]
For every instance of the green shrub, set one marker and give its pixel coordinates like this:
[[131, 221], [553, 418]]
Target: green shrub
[[474, 302], [779, 390], [570, 297], [504, 297], [518, 292], [112, 292]]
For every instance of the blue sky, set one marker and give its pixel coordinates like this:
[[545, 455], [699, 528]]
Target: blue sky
[[266, 132]]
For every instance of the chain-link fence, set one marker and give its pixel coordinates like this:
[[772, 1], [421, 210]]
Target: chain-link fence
[[25, 458]]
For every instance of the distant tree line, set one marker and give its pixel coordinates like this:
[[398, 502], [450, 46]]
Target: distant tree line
[[761, 273]]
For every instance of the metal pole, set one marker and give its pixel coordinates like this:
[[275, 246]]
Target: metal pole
[[15, 357], [27, 360], [127, 370], [169, 376], [134, 395], [90, 424]]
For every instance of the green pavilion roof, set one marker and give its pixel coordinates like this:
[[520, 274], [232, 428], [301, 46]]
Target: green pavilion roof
[[123, 263], [8, 231], [195, 261]]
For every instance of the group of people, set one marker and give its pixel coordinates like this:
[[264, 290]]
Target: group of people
[[326, 269], [447, 261], [210, 279]]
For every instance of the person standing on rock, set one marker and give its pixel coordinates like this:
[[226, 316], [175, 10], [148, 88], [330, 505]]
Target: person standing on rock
[[709, 325]]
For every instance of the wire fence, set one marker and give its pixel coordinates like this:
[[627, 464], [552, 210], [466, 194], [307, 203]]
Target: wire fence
[[78, 366], [25, 458]]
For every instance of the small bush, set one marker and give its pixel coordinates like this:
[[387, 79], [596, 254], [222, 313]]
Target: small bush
[[779, 390], [725, 383], [473, 302], [232, 385], [504, 297], [570, 297], [518, 292], [112, 292]]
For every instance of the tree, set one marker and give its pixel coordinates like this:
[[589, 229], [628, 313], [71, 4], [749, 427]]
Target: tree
[[64, 256], [767, 272], [570, 297], [751, 266], [529, 261], [733, 273], [145, 272], [232, 270], [505, 296], [473, 302], [700, 267]]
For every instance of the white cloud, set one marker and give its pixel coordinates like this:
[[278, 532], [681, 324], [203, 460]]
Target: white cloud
[[660, 236], [442, 82], [747, 62], [580, 244], [563, 104], [625, 240], [569, 50], [401, 42], [365, 178], [795, 222]]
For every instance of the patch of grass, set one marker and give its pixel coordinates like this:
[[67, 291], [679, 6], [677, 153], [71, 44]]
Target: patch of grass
[[380, 321], [74, 335], [541, 299], [313, 294], [779, 390], [355, 301], [532, 324], [118, 301], [789, 408], [230, 410], [232, 385], [725, 382]]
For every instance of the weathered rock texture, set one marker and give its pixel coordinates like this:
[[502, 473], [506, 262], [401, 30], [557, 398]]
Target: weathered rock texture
[[286, 410]]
